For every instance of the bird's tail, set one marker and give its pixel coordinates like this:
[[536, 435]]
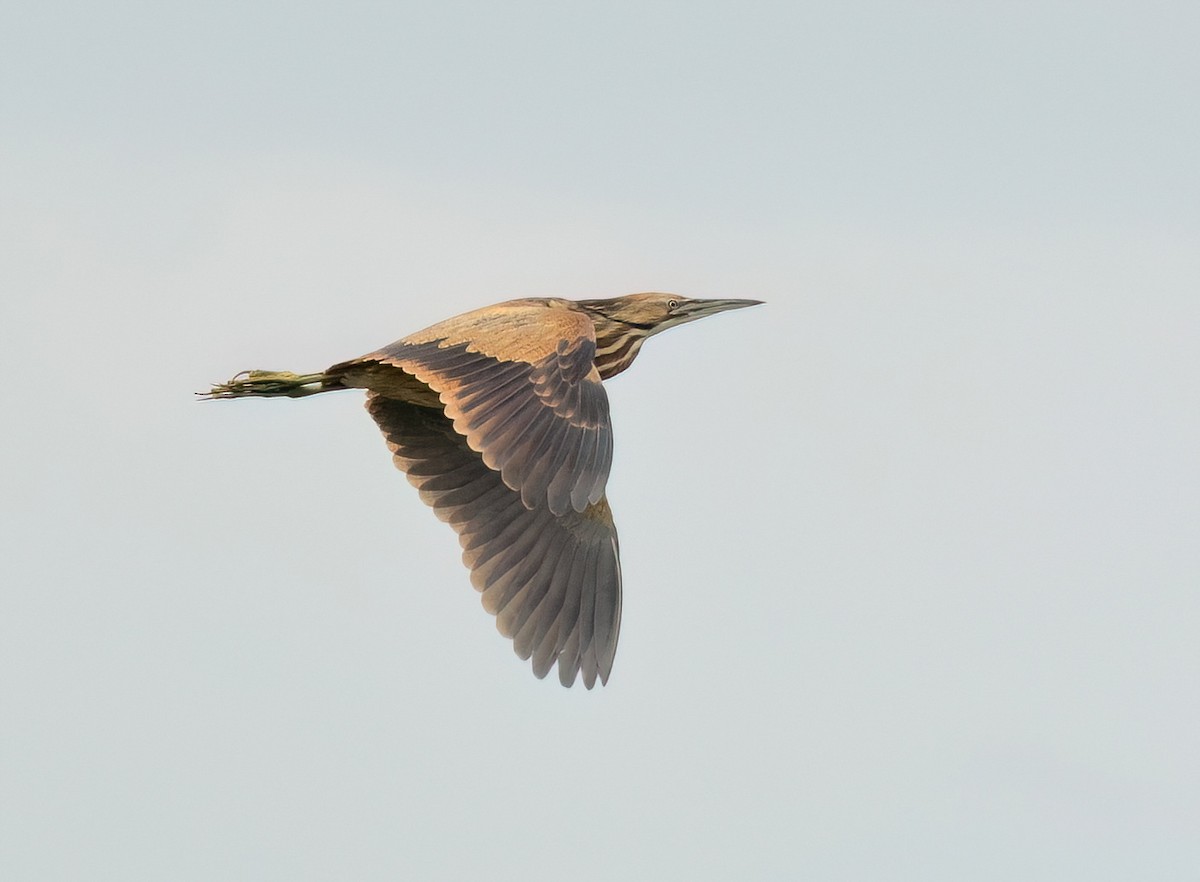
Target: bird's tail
[[272, 384]]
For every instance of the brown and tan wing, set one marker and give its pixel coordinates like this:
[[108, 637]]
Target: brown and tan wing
[[519, 382], [553, 582]]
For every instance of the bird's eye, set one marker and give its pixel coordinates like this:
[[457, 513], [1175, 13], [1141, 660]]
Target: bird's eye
[[672, 304]]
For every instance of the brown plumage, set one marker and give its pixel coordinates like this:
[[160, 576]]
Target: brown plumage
[[498, 417]]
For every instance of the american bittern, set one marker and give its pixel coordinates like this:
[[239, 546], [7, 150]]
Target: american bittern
[[499, 419]]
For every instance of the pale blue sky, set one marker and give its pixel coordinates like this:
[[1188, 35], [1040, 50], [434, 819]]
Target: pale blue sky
[[910, 553]]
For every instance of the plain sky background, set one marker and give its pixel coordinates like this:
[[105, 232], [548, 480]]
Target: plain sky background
[[911, 554]]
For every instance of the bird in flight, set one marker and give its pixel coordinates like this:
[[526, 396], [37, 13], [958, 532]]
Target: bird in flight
[[498, 417]]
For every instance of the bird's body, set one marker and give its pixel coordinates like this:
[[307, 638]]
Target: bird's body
[[499, 418]]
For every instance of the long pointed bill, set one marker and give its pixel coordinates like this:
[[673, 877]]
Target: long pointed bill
[[690, 310]]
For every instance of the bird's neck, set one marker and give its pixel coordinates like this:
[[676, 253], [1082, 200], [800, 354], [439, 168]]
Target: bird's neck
[[617, 344]]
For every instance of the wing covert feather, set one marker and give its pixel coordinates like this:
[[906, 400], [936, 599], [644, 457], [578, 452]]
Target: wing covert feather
[[519, 382]]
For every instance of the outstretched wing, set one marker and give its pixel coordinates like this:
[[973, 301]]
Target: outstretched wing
[[518, 381], [553, 582]]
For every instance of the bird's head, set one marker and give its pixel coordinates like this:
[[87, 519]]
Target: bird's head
[[653, 313], [623, 323]]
